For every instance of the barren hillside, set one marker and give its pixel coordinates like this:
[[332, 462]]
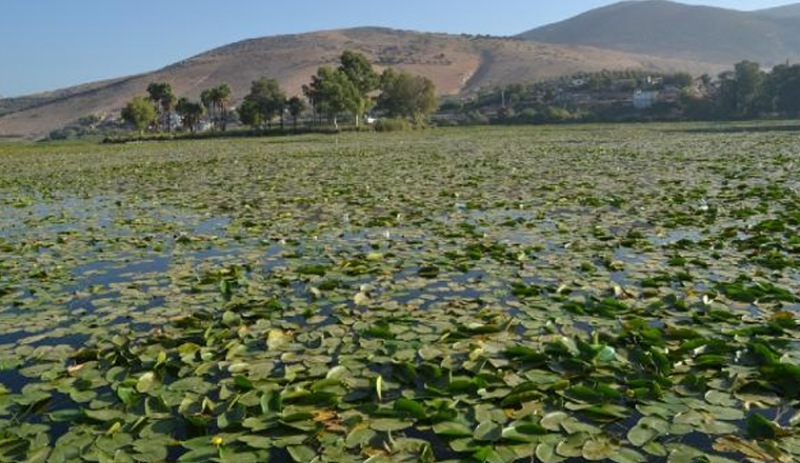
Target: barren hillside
[[458, 64]]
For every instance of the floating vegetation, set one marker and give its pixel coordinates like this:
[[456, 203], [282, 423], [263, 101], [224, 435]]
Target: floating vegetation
[[490, 295]]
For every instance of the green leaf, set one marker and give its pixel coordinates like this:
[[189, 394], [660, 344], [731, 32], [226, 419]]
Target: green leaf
[[257, 442], [302, 453], [646, 430], [408, 407], [552, 421], [82, 396], [720, 398], [452, 429], [389, 424], [626, 455], [276, 339], [759, 427], [105, 415], [598, 449], [200, 455], [359, 437], [546, 453], [337, 372], [150, 451], [147, 382], [572, 446], [488, 432]]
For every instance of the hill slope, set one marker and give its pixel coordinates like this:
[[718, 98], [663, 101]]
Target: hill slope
[[456, 64], [782, 12], [674, 30]]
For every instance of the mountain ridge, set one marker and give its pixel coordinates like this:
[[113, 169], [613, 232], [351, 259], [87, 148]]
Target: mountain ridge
[[781, 12], [678, 31], [458, 65]]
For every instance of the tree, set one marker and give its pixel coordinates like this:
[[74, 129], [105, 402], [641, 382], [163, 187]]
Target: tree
[[216, 100], [295, 106], [190, 113], [140, 113], [207, 99], [784, 89], [222, 96], [265, 101], [331, 93], [726, 98], [359, 71], [680, 80], [742, 91], [407, 95], [250, 114], [749, 86], [163, 98]]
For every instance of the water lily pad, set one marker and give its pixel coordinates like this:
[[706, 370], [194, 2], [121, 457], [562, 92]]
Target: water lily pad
[[598, 449], [488, 432], [452, 429], [546, 453], [646, 430], [147, 382], [626, 455], [552, 421], [389, 424]]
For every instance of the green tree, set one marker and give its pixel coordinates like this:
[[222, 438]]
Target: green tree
[[265, 101], [160, 93], [742, 91], [216, 101], [749, 87], [250, 114], [407, 95], [222, 96], [784, 89], [726, 98], [296, 106], [331, 93], [359, 71], [207, 100], [140, 113], [680, 80], [190, 112]]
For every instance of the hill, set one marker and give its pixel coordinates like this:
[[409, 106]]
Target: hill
[[782, 12], [674, 30], [458, 65]]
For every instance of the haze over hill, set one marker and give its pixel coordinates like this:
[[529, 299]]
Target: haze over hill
[[674, 30], [458, 65], [782, 12]]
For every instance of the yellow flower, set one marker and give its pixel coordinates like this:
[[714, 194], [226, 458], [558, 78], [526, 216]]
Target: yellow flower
[[216, 441]]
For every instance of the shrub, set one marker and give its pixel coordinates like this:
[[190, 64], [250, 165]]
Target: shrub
[[392, 125]]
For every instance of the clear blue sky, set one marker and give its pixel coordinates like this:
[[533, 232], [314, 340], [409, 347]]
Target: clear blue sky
[[49, 44]]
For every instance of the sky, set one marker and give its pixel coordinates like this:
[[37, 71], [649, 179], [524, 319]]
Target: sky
[[50, 44]]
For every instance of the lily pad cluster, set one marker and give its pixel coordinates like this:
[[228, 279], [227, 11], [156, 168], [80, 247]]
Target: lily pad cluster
[[488, 295]]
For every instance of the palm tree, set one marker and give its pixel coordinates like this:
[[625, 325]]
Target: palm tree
[[222, 95], [216, 101]]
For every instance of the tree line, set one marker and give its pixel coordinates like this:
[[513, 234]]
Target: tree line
[[352, 89], [747, 91]]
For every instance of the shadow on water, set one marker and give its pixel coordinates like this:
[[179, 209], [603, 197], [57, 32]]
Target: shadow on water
[[13, 380]]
